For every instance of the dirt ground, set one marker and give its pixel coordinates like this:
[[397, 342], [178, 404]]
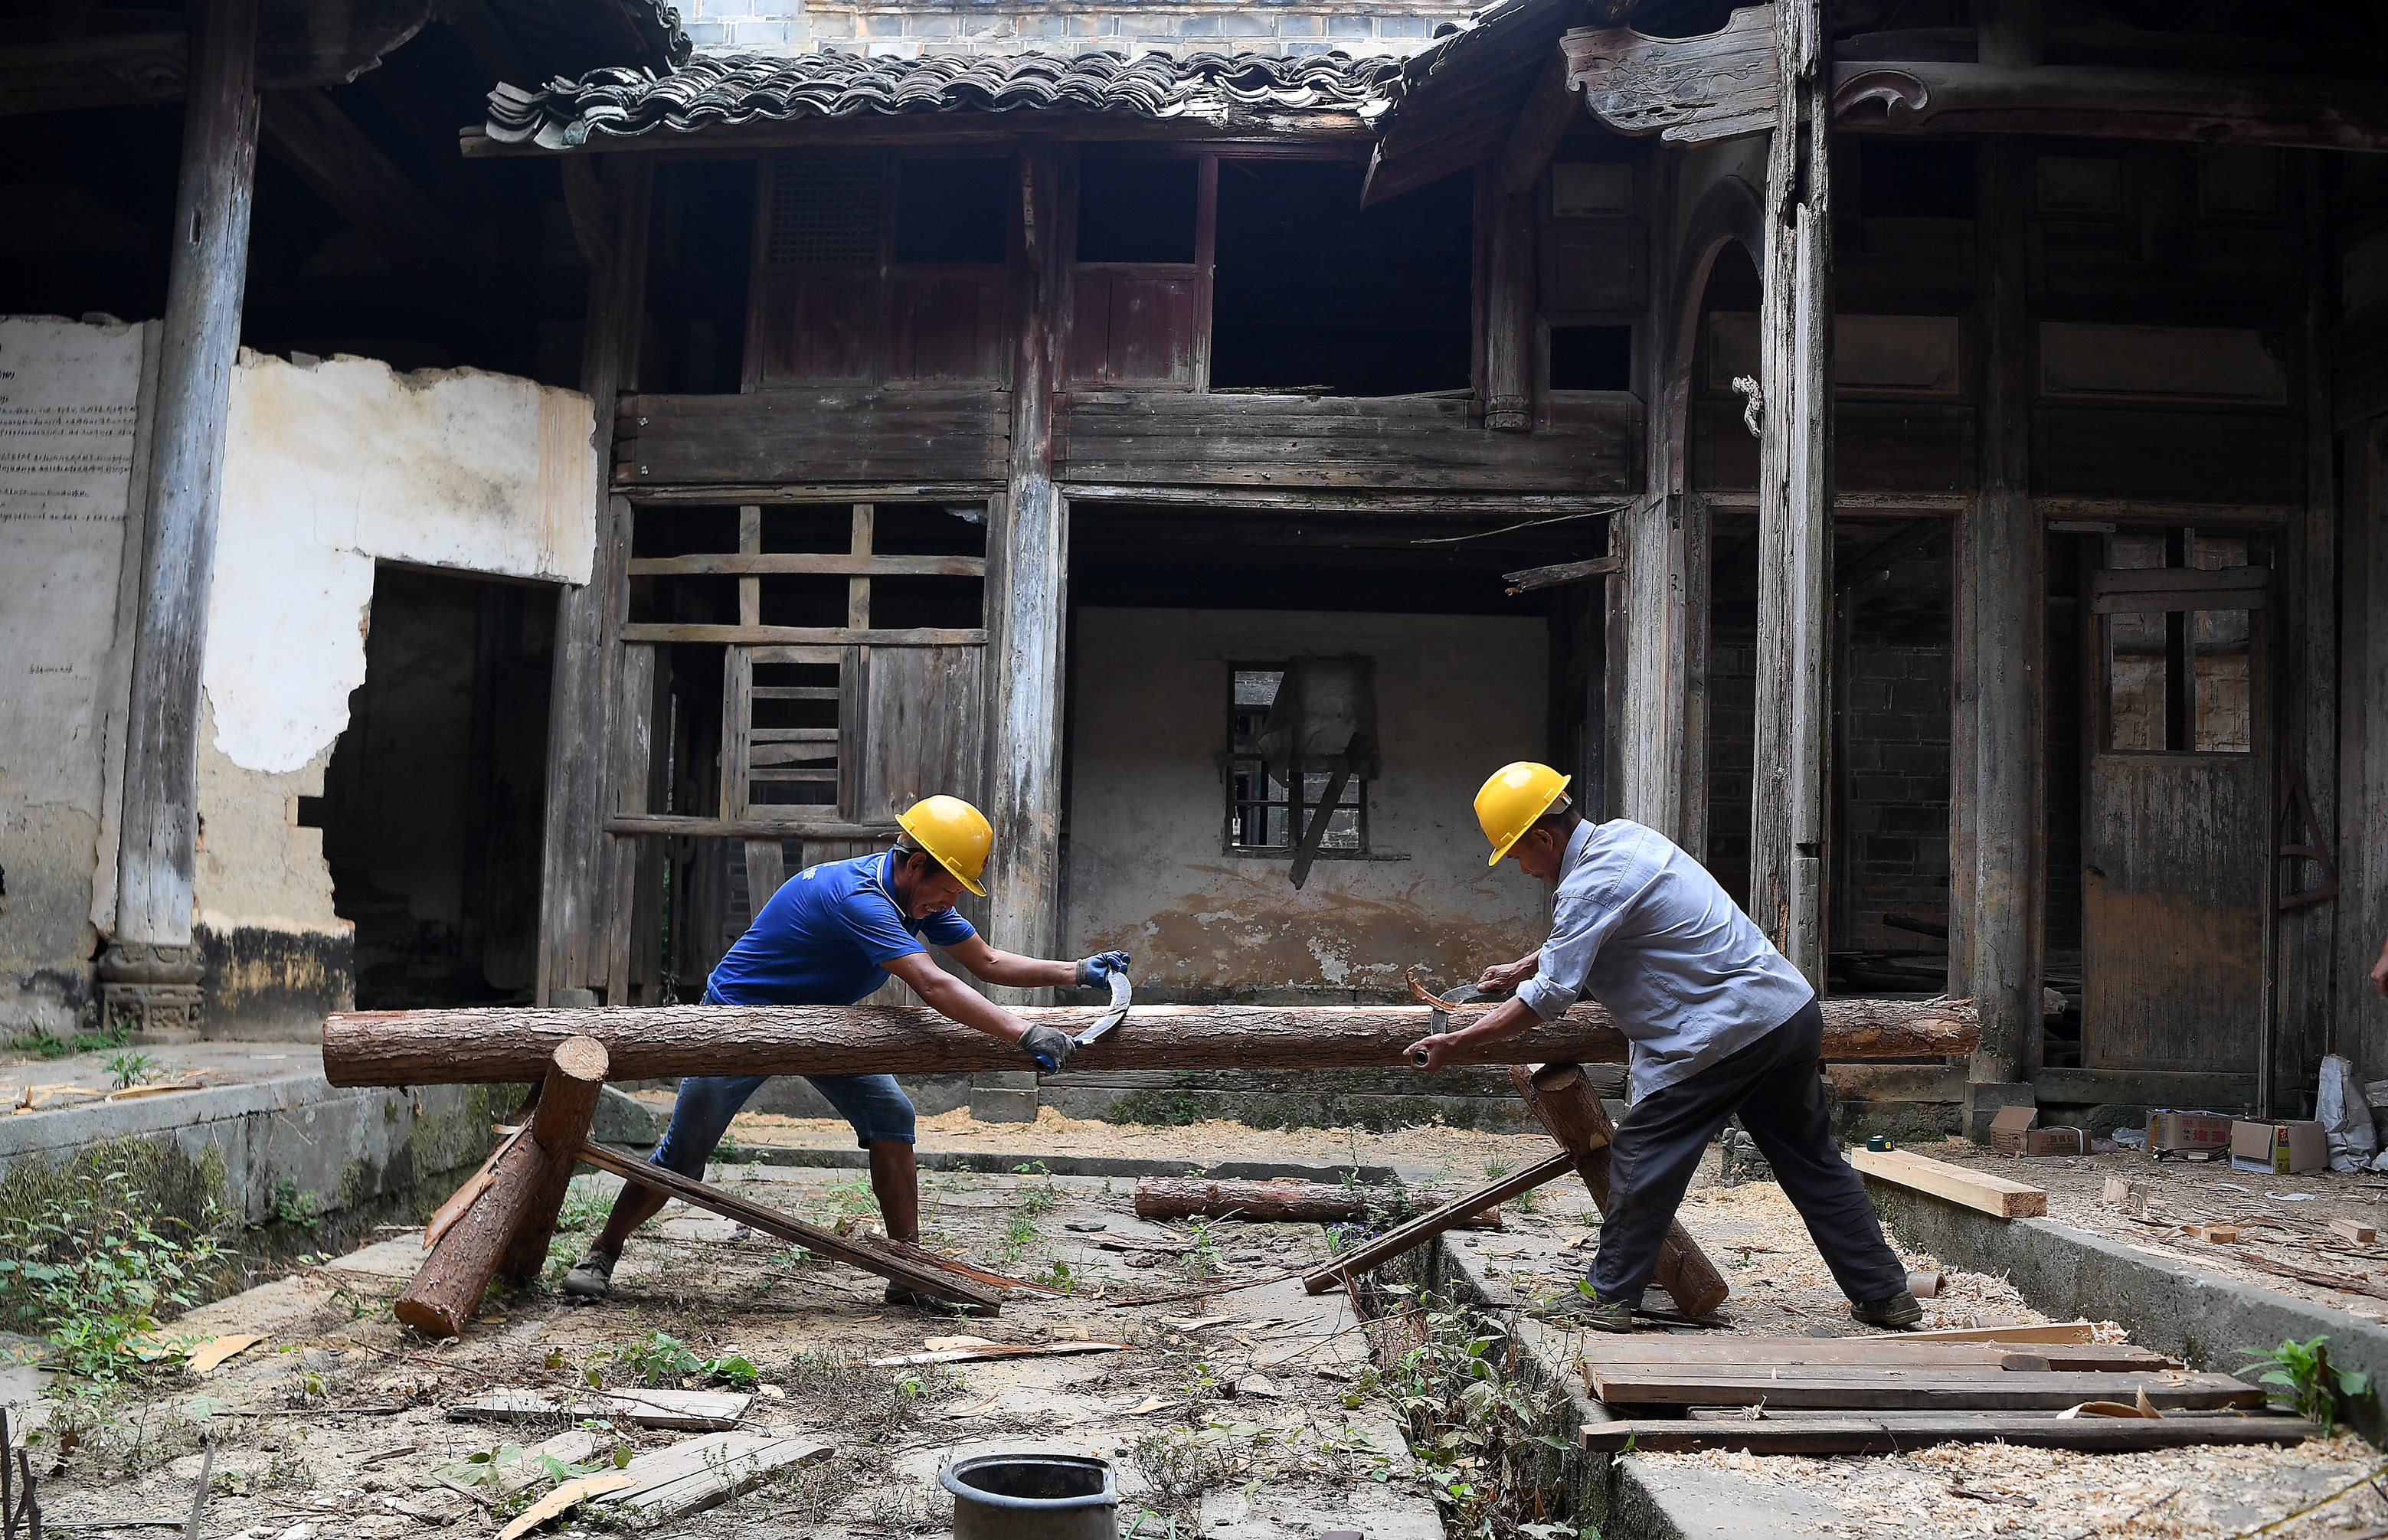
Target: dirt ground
[[1249, 1415]]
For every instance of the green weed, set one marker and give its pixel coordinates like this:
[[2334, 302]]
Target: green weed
[[658, 1360], [94, 1271], [42, 1043], [2307, 1380], [128, 1070]]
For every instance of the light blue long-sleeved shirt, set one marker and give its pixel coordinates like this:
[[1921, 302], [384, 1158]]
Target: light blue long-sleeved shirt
[[1644, 929]]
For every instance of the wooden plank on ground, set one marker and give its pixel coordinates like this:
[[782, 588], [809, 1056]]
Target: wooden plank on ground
[[647, 1408], [1867, 1387], [1655, 1350], [689, 1478], [1897, 1433], [2052, 1332], [1995, 1196]]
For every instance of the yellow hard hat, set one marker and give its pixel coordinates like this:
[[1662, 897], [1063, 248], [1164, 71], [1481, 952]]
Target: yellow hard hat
[[1512, 799], [954, 832]]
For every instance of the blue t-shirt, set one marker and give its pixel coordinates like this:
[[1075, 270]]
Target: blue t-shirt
[[826, 938]]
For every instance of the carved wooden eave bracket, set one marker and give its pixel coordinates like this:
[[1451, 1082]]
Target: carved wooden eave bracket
[[300, 44], [1725, 84]]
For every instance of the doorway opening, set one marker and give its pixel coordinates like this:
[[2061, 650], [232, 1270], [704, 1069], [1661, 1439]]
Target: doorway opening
[[433, 804]]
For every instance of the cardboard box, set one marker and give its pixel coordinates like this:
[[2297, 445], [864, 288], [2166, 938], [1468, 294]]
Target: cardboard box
[[2171, 1132], [2056, 1142], [2286, 1148], [2008, 1128]]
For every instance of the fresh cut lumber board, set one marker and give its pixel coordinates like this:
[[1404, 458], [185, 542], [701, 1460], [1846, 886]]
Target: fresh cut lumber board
[[1995, 1196], [509, 1043], [1655, 1350], [689, 1478], [1875, 1388], [1894, 1432]]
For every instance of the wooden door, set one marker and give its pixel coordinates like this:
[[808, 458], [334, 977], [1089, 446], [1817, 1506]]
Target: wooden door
[[2175, 819]]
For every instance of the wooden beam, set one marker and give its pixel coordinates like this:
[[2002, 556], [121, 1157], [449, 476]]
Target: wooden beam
[[308, 133], [1999, 584], [1995, 1196], [1942, 98], [137, 70], [831, 564], [1425, 1227], [1836, 1387], [1896, 1432], [1788, 797], [496, 1043], [1549, 112], [1561, 1098], [207, 263], [684, 826], [801, 636], [1027, 592], [1689, 90], [1284, 1200], [916, 1269], [1533, 578]]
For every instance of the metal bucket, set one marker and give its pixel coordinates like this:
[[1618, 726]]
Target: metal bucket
[[1033, 1497]]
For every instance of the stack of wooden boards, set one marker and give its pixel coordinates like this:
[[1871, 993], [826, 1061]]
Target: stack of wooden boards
[[2047, 1385], [1995, 1196]]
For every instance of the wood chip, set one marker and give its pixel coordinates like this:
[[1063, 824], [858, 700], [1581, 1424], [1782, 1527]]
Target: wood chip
[[208, 1355], [564, 1496]]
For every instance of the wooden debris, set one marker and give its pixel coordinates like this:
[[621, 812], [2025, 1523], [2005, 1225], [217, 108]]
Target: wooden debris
[[647, 1409], [2215, 1235], [1896, 1432], [689, 1478], [210, 1355], [2340, 1281], [2011, 1332], [999, 1350], [1755, 1353], [1878, 1388], [1425, 1227], [564, 1496], [2123, 1192], [2355, 1230], [1995, 1196]]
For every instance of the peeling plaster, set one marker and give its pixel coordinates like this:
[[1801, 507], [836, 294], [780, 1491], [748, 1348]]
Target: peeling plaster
[[1458, 697], [332, 467]]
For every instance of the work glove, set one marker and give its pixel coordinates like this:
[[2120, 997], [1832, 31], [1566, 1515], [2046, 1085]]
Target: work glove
[[1097, 969], [1049, 1046]]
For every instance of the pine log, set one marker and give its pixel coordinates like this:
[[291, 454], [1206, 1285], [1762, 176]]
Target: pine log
[[530, 1172], [1564, 1102], [1287, 1201], [483, 1044]]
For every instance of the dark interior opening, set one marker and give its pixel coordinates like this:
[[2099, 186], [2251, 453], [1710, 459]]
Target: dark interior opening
[[697, 263], [1915, 178], [1136, 211], [432, 805], [952, 210], [1313, 292], [1592, 358]]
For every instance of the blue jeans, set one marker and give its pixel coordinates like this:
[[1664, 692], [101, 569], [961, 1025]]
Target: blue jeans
[[874, 1104]]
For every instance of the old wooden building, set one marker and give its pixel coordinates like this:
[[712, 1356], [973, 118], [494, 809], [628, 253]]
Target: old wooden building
[[1922, 457]]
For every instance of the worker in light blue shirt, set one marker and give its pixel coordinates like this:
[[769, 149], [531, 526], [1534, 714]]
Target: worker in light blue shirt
[[1721, 1022], [830, 936]]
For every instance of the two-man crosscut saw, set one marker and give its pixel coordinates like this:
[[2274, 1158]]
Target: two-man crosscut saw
[[1467, 994]]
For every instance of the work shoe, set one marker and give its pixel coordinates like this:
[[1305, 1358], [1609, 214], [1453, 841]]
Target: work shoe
[[1608, 1315], [593, 1279], [1898, 1312]]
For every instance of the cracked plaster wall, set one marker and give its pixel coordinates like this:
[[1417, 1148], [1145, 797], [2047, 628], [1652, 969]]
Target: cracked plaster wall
[[1457, 696]]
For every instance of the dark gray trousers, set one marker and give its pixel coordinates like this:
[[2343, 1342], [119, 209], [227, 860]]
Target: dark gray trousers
[[1777, 1086]]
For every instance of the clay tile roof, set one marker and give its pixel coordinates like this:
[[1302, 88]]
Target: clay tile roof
[[712, 90]]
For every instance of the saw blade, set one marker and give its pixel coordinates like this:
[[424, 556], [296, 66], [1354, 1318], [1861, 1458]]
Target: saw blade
[[1122, 992]]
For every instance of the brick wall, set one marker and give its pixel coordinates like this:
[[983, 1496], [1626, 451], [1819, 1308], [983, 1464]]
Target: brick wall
[[1387, 27]]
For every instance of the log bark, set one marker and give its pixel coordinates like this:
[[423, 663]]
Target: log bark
[[1425, 1227], [1289, 1202], [522, 1190], [490, 1044], [1564, 1102]]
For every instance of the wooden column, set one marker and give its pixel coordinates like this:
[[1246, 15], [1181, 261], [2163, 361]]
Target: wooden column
[[1562, 1099], [206, 268], [1794, 513], [1027, 603], [509, 1209], [2001, 583], [2363, 764], [1508, 307], [576, 859]]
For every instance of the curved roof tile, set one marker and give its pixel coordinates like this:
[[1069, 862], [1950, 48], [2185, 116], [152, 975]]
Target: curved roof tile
[[712, 90]]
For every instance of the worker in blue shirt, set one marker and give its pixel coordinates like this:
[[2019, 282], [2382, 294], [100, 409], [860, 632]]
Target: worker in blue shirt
[[832, 934], [1721, 1024]]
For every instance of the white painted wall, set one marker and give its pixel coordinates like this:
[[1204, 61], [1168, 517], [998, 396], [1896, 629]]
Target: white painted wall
[[1457, 696], [328, 468]]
